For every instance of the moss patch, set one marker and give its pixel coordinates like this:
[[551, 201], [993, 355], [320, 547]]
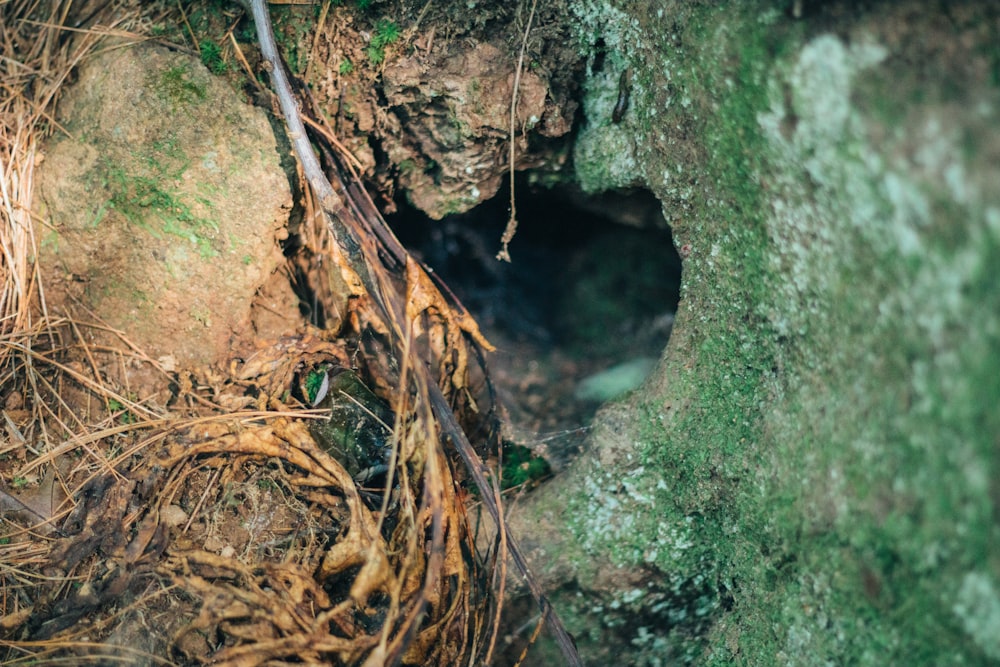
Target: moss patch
[[815, 462]]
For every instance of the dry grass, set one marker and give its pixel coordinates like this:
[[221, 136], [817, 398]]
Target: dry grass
[[37, 54], [32, 78], [40, 44]]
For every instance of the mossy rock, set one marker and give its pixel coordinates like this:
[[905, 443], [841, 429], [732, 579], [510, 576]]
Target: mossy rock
[[165, 182], [810, 476]]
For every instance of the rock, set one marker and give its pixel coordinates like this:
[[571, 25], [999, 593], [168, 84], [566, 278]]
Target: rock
[[810, 476], [450, 124], [165, 202], [614, 382], [173, 516]]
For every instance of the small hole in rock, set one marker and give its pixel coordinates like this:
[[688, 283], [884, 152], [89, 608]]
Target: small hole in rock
[[578, 317]]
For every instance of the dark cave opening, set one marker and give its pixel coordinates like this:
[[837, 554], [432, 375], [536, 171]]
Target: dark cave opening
[[631, 273], [578, 316]]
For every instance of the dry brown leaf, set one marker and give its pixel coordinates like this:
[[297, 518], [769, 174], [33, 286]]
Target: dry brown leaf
[[422, 294], [35, 507], [375, 575]]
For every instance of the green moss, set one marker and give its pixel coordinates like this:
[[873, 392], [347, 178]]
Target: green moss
[[825, 450], [177, 86], [211, 57], [522, 467], [144, 200], [844, 495], [386, 32]]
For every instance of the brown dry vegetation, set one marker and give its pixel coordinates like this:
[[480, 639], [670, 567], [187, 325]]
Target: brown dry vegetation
[[213, 527]]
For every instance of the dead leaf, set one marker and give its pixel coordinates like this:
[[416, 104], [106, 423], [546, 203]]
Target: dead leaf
[[34, 507]]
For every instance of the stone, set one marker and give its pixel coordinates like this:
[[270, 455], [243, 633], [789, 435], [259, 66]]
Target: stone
[[456, 116], [164, 200], [810, 474]]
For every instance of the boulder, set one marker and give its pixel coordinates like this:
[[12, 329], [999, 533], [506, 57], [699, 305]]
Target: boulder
[[164, 200]]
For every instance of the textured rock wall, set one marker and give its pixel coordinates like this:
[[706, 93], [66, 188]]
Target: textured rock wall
[[811, 474]]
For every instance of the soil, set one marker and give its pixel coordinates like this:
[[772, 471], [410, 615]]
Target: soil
[[429, 118]]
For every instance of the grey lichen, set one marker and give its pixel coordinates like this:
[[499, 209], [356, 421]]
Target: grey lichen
[[977, 606], [605, 151]]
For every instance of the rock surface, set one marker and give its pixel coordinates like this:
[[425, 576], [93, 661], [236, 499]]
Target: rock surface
[[810, 476], [456, 116], [166, 200], [432, 120]]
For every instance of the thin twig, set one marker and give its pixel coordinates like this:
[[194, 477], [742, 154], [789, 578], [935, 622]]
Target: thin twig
[[187, 25], [328, 198]]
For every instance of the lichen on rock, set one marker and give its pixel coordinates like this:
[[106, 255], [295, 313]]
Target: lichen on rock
[[812, 466]]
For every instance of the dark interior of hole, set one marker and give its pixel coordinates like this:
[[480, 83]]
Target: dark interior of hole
[[577, 280]]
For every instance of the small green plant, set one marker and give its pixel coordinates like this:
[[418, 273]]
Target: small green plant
[[521, 466], [211, 57], [115, 406], [291, 28], [19, 482], [246, 32], [364, 4], [313, 383], [386, 32], [346, 66]]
